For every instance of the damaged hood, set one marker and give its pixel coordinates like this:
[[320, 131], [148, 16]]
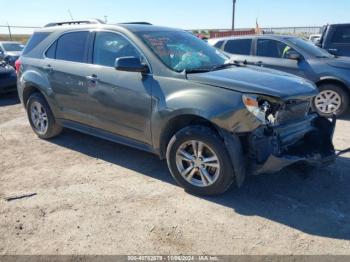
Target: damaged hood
[[258, 80]]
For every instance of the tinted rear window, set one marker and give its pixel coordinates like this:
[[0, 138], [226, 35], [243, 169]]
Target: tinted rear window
[[219, 44], [342, 35], [36, 39], [72, 47], [239, 46]]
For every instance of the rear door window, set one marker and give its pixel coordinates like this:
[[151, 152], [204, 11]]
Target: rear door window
[[341, 35], [72, 47], [239, 46]]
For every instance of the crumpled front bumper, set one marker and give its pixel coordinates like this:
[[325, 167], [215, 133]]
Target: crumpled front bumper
[[308, 141]]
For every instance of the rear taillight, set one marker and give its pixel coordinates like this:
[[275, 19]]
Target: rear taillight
[[18, 65]]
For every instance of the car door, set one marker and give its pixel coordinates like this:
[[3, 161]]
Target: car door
[[2, 53], [121, 102], [273, 54], [339, 43], [65, 66], [240, 49]]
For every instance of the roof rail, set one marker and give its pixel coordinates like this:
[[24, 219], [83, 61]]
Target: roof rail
[[78, 22], [135, 23]]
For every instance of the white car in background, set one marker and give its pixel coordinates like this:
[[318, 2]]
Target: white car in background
[[315, 38], [217, 42]]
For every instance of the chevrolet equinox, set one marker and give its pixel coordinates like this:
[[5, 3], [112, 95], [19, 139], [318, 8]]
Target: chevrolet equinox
[[167, 92]]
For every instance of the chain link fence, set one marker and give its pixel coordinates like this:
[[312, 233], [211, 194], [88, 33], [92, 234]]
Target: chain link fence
[[22, 33], [298, 31], [16, 33]]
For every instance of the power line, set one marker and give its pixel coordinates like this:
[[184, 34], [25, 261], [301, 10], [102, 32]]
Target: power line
[[70, 14], [20, 26]]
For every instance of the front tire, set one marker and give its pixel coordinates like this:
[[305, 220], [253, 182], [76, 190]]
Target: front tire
[[199, 162], [41, 118], [331, 100]]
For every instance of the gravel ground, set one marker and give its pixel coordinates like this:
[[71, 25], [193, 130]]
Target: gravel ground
[[96, 197]]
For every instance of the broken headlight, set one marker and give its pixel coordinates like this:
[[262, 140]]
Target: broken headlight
[[263, 108]]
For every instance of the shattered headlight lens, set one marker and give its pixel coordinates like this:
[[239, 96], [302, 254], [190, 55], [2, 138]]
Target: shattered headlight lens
[[261, 108]]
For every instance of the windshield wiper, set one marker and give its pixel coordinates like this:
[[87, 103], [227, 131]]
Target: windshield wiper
[[197, 70], [226, 65], [214, 68]]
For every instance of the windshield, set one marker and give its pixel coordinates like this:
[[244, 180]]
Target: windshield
[[310, 48], [181, 50], [12, 47]]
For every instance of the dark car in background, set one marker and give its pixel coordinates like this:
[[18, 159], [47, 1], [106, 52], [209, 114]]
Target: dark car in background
[[8, 78], [167, 92], [10, 51], [336, 39], [300, 57]]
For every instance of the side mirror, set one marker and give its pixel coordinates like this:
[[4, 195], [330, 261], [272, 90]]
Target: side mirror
[[130, 64], [293, 55]]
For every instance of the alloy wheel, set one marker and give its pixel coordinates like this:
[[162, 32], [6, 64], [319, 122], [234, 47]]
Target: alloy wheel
[[197, 163], [39, 118]]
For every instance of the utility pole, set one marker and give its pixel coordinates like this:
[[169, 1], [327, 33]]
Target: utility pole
[[9, 28], [233, 15]]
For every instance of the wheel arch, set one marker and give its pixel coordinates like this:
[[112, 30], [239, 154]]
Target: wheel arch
[[179, 122], [232, 142], [335, 81], [32, 81], [28, 91]]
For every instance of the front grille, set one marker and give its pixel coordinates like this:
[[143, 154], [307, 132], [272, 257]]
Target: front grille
[[293, 110]]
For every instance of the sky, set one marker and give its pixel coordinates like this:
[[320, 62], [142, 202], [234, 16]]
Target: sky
[[186, 14]]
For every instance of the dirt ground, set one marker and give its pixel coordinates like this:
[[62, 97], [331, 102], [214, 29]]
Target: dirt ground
[[96, 197]]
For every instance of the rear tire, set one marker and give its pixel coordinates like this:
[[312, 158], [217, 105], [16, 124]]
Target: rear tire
[[331, 96], [199, 162], [41, 118]]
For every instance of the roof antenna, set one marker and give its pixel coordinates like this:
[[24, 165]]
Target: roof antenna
[[70, 14]]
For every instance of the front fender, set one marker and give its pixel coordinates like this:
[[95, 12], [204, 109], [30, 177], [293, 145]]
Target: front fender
[[339, 80], [222, 107]]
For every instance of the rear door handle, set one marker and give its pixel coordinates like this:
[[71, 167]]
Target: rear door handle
[[259, 63], [48, 68], [92, 78]]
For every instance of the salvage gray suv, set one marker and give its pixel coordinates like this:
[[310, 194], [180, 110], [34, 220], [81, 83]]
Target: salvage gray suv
[[167, 92]]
